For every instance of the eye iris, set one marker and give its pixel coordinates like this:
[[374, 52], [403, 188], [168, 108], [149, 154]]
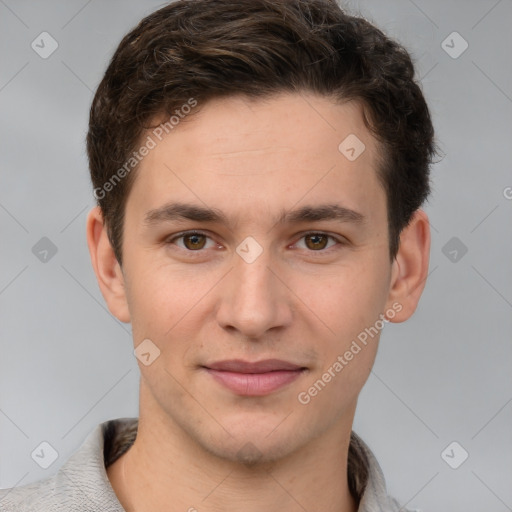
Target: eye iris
[[197, 241], [318, 241]]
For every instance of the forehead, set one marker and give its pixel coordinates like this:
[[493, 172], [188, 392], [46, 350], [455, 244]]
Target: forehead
[[241, 154], [305, 124]]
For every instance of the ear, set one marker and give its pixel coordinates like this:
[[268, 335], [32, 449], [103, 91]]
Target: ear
[[106, 267], [410, 268]]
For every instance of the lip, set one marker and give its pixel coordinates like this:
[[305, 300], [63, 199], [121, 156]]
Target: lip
[[241, 366], [254, 378]]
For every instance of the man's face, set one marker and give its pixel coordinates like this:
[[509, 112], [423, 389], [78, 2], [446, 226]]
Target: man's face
[[258, 284]]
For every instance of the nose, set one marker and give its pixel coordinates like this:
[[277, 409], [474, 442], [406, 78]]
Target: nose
[[254, 298]]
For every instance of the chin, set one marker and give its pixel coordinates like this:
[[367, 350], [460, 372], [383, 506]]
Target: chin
[[253, 447], [252, 454]]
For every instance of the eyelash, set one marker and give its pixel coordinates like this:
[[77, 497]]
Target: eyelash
[[200, 233]]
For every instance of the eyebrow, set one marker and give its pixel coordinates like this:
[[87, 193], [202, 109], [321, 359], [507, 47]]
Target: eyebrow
[[181, 211]]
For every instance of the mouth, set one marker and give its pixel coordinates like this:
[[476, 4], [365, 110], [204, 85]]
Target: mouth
[[254, 378]]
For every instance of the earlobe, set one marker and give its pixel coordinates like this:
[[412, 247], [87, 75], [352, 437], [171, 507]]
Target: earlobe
[[410, 268], [106, 267]]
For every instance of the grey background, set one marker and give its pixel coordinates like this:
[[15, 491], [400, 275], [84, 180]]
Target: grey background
[[445, 375]]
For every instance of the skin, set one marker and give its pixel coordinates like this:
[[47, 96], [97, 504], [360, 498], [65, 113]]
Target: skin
[[303, 300]]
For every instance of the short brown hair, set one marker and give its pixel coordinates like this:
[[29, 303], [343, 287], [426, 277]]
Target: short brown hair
[[206, 49]]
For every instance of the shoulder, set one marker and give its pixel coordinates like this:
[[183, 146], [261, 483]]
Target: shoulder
[[16, 499], [81, 484]]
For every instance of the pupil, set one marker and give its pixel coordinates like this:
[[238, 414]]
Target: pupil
[[195, 241], [317, 241]]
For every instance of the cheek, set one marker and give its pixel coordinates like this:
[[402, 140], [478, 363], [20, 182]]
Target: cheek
[[347, 341], [160, 296], [168, 307], [344, 301], [152, 307], [346, 306]]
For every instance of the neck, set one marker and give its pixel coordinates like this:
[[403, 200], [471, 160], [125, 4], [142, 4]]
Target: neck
[[165, 470]]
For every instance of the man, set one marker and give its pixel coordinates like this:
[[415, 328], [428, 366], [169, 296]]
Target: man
[[259, 168]]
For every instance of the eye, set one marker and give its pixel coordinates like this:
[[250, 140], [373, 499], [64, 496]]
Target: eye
[[318, 241], [195, 241], [191, 241]]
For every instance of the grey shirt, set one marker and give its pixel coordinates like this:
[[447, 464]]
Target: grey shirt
[[82, 484]]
